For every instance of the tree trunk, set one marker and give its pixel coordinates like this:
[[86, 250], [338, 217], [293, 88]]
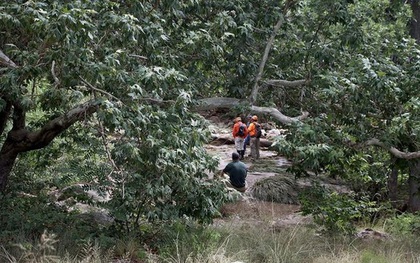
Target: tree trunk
[[414, 186], [415, 20], [7, 161], [393, 184], [19, 139]]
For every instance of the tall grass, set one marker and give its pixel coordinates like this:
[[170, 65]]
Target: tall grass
[[228, 243]]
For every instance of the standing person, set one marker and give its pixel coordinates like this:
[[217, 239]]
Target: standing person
[[255, 134], [239, 132], [248, 138], [237, 172]]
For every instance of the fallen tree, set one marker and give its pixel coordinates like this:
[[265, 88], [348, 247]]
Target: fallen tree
[[227, 103]]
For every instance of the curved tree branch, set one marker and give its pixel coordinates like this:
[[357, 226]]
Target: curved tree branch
[[278, 115], [22, 140], [288, 5], [394, 151]]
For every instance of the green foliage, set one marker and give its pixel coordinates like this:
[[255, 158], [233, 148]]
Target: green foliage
[[366, 173], [27, 217], [370, 256], [404, 224], [310, 147], [143, 144], [335, 212], [163, 167], [146, 62], [186, 239]]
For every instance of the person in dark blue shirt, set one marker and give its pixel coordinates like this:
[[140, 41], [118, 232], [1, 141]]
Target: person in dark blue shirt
[[248, 137], [237, 172]]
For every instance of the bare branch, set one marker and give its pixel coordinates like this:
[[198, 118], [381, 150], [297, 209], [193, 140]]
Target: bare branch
[[98, 90], [138, 56], [286, 83], [56, 80], [256, 87], [278, 115], [394, 151], [219, 102], [5, 60], [158, 101]]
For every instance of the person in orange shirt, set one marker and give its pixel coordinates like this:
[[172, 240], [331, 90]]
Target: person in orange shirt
[[255, 140], [239, 133]]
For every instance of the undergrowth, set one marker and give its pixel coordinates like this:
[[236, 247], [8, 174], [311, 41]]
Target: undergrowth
[[223, 243]]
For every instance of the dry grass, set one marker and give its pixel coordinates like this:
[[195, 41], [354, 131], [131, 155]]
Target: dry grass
[[253, 244], [279, 189], [246, 235]]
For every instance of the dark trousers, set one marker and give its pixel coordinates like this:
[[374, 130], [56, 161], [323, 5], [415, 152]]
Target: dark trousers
[[246, 142]]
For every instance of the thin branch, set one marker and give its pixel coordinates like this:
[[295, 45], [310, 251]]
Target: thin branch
[[394, 151], [101, 40], [98, 90], [158, 101], [138, 56], [286, 83], [5, 60], [56, 80]]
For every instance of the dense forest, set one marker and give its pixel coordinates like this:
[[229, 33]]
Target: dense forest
[[105, 96]]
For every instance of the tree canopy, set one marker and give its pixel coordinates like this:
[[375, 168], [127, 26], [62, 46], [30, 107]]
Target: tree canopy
[[111, 87]]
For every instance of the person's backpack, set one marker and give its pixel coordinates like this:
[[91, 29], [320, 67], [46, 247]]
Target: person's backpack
[[241, 131], [258, 130]]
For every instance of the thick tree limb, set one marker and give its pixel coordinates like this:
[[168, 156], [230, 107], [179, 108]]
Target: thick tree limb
[[4, 116], [286, 83], [270, 41], [278, 115], [394, 151], [22, 140], [221, 102], [5, 60], [19, 116]]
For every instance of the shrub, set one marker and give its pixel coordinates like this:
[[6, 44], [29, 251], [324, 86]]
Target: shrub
[[336, 212], [405, 224]]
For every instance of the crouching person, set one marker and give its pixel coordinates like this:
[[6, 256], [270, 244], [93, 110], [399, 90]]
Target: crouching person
[[237, 172]]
